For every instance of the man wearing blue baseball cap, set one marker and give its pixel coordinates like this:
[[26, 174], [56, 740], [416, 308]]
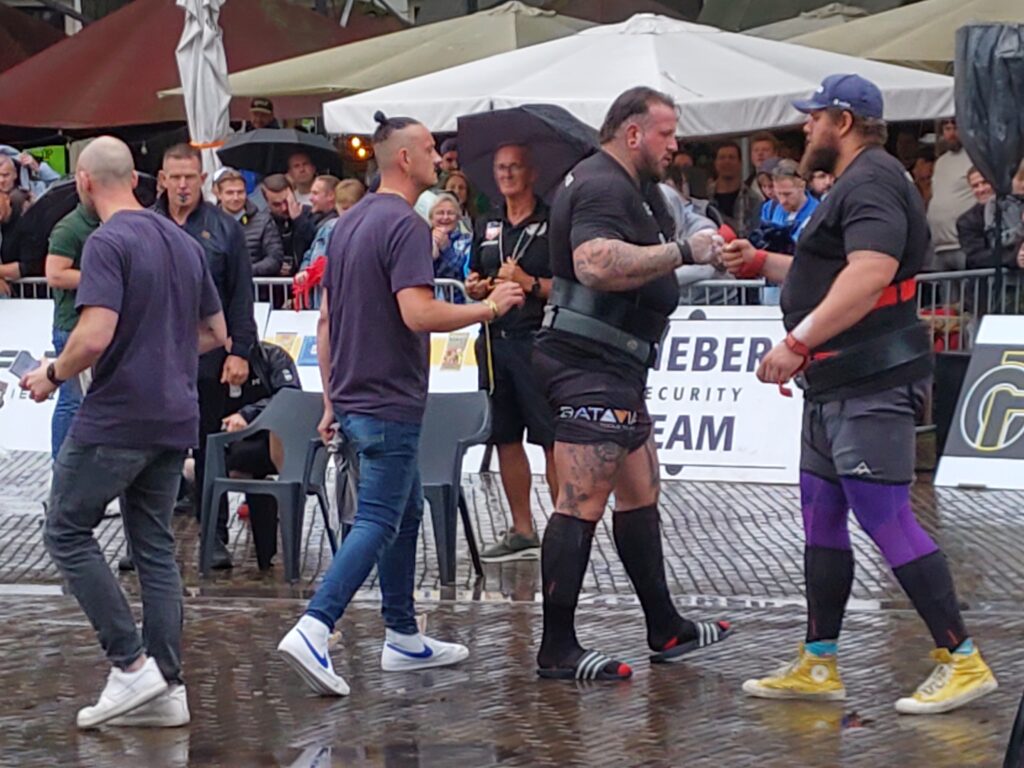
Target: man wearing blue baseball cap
[[857, 348]]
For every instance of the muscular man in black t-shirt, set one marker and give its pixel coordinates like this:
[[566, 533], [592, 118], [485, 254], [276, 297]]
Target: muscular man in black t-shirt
[[864, 360], [511, 244], [613, 260]]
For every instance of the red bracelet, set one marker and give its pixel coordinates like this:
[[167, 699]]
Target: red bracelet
[[797, 347], [754, 268]]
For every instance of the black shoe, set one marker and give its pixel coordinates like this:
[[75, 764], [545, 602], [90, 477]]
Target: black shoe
[[125, 564], [221, 557]]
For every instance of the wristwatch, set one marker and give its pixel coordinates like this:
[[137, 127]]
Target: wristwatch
[[51, 375], [535, 288]]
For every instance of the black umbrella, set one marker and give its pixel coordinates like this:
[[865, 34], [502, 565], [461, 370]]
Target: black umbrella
[[556, 139], [266, 150], [53, 205], [989, 88]]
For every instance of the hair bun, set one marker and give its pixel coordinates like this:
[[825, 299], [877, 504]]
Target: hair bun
[[379, 117]]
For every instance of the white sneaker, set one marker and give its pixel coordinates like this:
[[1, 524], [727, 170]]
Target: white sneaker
[[305, 650], [403, 653], [124, 692], [169, 710]]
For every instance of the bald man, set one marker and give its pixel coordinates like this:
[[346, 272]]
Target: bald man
[[131, 432], [377, 312]]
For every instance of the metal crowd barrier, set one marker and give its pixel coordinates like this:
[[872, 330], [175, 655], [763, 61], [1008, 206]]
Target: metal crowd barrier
[[951, 303]]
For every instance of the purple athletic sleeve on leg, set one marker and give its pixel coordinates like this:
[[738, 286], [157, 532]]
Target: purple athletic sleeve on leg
[[825, 512], [885, 513]]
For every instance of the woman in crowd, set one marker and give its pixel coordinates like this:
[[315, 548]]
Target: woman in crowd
[[458, 185], [451, 245]]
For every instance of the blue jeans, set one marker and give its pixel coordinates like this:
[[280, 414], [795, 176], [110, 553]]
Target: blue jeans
[[386, 527], [69, 397]]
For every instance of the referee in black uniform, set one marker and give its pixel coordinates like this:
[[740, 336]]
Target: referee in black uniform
[[511, 244], [614, 258]]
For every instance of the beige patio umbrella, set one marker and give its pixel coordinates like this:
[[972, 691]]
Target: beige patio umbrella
[[412, 52], [831, 15], [919, 35]]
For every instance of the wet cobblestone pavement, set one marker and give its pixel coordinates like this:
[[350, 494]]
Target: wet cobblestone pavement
[[733, 551], [249, 709]]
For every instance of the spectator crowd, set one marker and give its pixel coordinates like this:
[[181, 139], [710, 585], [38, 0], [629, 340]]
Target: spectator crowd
[[279, 225]]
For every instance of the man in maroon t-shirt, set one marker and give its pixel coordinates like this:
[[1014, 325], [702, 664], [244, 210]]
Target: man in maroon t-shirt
[[373, 343]]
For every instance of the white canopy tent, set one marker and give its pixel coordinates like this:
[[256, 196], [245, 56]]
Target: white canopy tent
[[723, 82]]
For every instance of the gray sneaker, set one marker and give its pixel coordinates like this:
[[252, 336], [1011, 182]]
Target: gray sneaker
[[512, 545]]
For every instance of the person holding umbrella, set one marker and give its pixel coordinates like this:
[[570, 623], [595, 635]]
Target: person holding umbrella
[[510, 244]]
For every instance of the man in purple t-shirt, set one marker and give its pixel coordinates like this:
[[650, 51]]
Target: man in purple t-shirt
[[373, 344], [147, 309]]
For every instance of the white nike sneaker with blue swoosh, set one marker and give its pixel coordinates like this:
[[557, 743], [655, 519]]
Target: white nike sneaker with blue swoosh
[[408, 653], [305, 650]]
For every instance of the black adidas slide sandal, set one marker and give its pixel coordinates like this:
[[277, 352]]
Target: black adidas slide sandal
[[592, 665], [708, 633]]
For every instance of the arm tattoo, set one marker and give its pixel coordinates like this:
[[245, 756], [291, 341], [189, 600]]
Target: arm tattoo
[[614, 265]]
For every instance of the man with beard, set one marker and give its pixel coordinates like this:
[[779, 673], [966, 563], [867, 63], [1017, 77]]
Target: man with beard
[[951, 197], [613, 256], [865, 363]]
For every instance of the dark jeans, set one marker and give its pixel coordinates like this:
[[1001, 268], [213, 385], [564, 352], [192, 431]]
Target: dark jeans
[[386, 527], [69, 398], [85, 478]]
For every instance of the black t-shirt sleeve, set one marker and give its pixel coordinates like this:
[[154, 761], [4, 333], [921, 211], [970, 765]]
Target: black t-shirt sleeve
[[601, 210], [874, 218]]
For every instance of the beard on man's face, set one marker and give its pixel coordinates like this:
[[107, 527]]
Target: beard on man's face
[[821, 158], [650, 167]]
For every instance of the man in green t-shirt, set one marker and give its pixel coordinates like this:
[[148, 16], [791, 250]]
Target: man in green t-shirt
[[63, 261]]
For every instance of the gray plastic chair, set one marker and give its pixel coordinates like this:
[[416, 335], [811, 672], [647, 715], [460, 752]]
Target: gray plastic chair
[[292, 415], [452, 423]]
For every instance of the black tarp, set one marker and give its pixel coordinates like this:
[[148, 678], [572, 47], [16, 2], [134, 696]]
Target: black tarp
[[989, 91]]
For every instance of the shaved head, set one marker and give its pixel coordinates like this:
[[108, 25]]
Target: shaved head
[[107, 161], [387, 150], [406, 154]]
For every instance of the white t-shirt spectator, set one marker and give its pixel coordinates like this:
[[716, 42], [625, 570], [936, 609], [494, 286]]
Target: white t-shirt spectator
[[951, 196]]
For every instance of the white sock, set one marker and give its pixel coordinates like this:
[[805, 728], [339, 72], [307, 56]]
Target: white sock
[[314, 629], [413, 643]]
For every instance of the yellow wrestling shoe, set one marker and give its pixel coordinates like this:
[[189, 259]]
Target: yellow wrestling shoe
[[810, 677], [958, 678]]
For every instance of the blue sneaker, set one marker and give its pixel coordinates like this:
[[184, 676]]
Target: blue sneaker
[[305, 650], [406, 653]]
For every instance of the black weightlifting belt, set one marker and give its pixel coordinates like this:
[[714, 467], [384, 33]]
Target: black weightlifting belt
[[846, 367], [605, 318]]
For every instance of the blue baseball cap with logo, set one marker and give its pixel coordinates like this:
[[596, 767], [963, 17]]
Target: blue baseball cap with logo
[[848, 92]]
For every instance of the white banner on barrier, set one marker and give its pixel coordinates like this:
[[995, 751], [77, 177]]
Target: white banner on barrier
[[25, 325], [713, 420]]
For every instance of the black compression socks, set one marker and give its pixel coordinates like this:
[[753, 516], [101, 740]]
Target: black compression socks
[[638, 540], [829, 576], [565, 554], [929, 585]]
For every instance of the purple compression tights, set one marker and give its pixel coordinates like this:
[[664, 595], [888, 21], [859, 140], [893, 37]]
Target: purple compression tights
[[883, 511]]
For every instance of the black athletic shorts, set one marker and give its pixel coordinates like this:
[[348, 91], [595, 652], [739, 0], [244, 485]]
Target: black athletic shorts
[[518, 404], [870, 437], [594, 406]]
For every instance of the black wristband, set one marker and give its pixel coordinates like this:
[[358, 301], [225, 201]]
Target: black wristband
[[51, 375], [685, 252]]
